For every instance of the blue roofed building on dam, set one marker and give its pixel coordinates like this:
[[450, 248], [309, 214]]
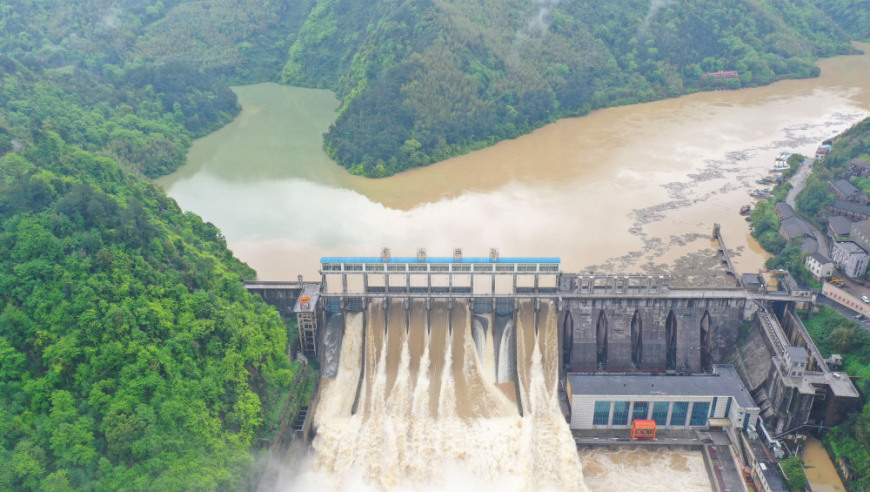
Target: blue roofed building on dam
[[630, 347]]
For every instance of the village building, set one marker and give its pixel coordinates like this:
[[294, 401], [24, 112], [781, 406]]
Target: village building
[[850, 258], [839, 227], [809, 245], [852, 210], [857, 167], [821, 152], [784, 211], [794, 228], [819, 266], [860, 234], [847, 191]]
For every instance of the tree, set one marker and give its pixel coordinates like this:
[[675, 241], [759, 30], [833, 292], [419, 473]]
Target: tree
[[794, 473], [843, 338]]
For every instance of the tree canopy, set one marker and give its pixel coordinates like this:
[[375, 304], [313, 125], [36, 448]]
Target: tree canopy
[[131, 356], [423, 80]]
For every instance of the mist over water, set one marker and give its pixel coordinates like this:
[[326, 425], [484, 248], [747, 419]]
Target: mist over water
[[616, 189], [467, 435], [437, 409]]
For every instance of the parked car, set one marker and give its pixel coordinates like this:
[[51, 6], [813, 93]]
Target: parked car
[[864, 298]]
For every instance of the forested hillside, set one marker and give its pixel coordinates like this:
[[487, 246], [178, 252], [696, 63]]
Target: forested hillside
[[422, 80], [419, 80], [135, 81], [131, 356]]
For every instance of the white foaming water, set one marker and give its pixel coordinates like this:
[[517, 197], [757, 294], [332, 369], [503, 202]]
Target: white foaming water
[[504, 352], [474, 439]]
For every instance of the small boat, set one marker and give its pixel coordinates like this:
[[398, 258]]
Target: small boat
[[764, 181], [745, 210]]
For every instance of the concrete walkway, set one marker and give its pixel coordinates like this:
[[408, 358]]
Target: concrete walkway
[[618, 437], [798, 181], [725, 476]]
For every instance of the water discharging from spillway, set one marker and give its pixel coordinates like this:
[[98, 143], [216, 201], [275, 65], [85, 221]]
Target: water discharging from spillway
[[421, 401]]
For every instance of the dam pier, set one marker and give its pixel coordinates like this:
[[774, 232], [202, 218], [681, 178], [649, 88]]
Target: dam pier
[[443, 339]]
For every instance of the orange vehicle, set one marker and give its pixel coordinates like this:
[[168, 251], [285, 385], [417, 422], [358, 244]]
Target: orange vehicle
[[643, 429]]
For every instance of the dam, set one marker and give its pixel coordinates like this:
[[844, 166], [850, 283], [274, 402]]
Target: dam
[[494, 368]]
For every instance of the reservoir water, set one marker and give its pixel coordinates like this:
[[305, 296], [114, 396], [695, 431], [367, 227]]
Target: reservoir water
[[622, 190], [616, 190]]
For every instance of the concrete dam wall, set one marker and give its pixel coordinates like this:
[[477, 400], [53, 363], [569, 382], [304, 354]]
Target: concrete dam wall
[[649, 334]]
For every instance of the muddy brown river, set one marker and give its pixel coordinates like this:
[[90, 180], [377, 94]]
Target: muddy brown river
[[612, 191], [626, 189]]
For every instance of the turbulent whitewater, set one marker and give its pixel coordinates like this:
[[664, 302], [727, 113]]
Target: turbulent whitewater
[[422, 401]]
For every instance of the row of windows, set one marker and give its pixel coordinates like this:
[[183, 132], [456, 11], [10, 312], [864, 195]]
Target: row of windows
[[617, 412], [433, 267]]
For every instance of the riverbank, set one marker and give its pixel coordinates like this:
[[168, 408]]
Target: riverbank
[[623, 189]]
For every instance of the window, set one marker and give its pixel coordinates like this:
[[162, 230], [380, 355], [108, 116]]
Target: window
[[641, 410], [728, 408], [332, 267], [660, 412], [417, 267], [602, 413], [483, 267], [713, 407], [396, 267], [679, 412], [374, 267], [699, 413], [509, 267], [620, 413], [439, 268]]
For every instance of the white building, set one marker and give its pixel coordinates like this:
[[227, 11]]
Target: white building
[[819, 266], [674, 402], [849, 257]]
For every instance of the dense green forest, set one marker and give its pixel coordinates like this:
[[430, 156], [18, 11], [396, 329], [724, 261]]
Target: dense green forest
[[831, 331], [131, 357], [422, 80], [419, 80]]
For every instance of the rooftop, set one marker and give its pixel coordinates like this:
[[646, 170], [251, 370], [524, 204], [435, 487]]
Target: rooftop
[[844, 187], [862, 228], [795, 227], [313, 293], [840, 225], [724, 383], [850, 247], [851, 207], [859, 163], [819, 258], [784, 210], [797, 354], [752, 280]]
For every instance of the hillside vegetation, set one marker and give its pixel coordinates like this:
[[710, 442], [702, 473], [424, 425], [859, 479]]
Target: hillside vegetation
[[422, 80], [131, 356], [831, 331]]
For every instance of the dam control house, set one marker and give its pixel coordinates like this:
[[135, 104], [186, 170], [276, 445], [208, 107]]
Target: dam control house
[[631, 347]]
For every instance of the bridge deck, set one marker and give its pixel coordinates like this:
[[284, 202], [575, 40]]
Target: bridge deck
[[733, 293]]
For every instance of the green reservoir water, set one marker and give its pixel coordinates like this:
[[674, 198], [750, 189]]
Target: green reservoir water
[[618, 190], [278, 135]]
